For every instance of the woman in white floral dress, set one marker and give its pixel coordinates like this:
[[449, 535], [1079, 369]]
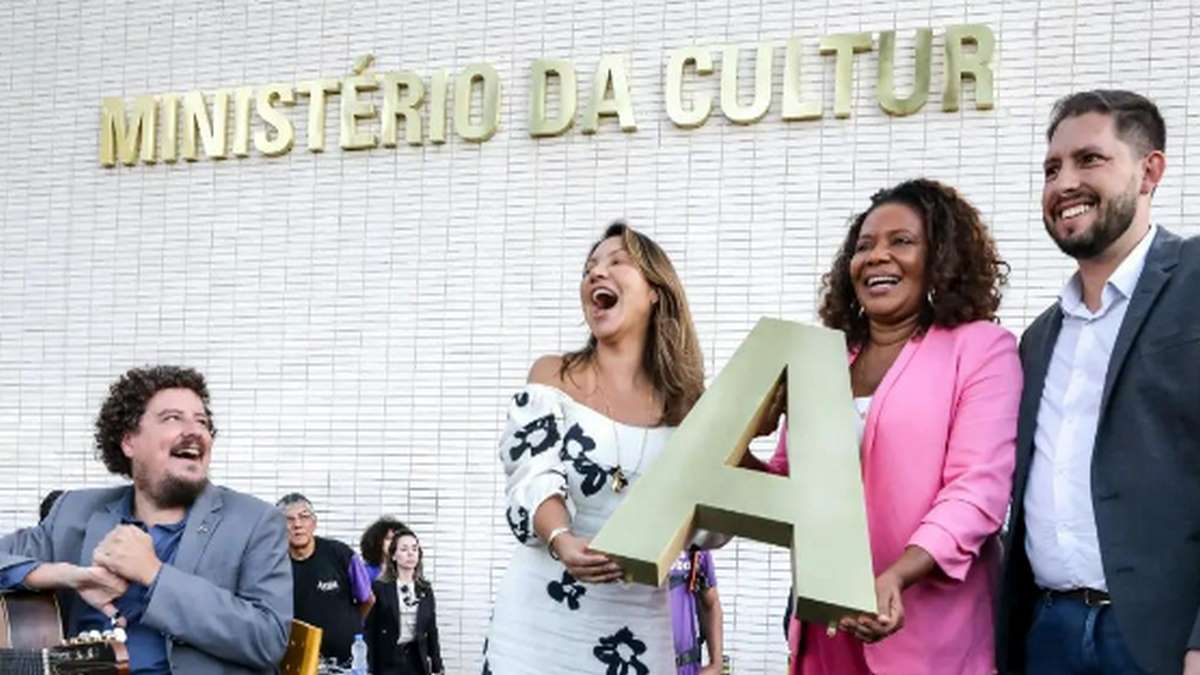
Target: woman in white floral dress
[[587, 425]]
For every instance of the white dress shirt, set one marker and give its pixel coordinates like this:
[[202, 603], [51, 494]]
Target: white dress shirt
[[1061, 540]]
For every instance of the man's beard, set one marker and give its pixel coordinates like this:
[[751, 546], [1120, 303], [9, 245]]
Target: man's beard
[[171, 491], [1111, 222]]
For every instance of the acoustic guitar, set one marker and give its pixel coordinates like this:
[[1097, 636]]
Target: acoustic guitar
[[31, 641], [29, 620]]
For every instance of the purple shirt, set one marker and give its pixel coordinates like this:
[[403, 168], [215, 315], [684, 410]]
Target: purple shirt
[[360, 579], [373, 571], [683, 603]]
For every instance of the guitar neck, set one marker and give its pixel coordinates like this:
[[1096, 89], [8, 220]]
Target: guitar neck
[[23, 662], [30, 623], [74, 659]]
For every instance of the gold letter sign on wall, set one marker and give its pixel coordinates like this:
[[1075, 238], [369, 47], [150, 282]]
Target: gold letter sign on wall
[[817, 511], [129, 135]]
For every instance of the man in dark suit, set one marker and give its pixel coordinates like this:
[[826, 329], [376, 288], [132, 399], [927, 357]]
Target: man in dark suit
[[198, 573], [1102, 570]]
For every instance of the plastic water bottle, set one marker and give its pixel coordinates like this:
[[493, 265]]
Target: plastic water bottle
[[358, 656]]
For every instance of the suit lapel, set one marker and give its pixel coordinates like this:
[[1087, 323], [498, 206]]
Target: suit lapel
[[1160, 261], [202, 522], [879, 398], [100, 524], [423, 611], [1036, 365], [391, 596]]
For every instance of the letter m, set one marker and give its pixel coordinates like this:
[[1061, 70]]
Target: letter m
[[817, 511], [121, 139]]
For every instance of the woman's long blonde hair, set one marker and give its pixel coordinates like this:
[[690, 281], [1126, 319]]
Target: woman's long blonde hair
[[672, 358]]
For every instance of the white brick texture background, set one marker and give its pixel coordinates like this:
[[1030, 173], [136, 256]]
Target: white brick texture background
[[362, 317]]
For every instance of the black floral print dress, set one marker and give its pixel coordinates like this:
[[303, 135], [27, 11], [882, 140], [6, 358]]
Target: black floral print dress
[[545, 621]]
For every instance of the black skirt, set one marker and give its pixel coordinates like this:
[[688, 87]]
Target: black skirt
[[406, 661]]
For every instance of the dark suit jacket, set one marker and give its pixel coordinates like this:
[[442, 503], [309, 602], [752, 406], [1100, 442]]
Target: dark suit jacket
[[225, 604], [1145, 468], [383, 627]]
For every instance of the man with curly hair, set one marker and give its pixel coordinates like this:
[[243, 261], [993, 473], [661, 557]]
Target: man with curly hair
[[198, 574], [1103, 552]]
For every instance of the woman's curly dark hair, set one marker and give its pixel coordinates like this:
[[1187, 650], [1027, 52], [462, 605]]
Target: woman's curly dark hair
[[126, 403], [963, 273], [371, 543]]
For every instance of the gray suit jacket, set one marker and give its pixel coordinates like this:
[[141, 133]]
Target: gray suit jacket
[[226, 602], [1145, 468]]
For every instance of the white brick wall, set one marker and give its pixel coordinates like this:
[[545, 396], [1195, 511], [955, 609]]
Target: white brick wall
[[363, 316]]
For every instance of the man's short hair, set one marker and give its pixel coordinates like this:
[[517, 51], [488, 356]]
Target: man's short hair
[[294, 498], [1138, 121], [126, 403]]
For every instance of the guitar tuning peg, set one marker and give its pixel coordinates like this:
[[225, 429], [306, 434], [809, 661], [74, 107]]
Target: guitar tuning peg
[[93, 636], [118, 634]]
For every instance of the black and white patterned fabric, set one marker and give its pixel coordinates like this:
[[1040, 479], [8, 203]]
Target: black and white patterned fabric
[[546, 622]]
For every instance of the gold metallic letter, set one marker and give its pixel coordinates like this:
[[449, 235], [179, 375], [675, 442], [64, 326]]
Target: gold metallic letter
[[845, 45], [794, 107], [353, 110], [437, 106], [701, 106], [316, 90], [610, 74], [539, 80], [170, 124], [119, 139], [211, 132], [977, 66], [489, 119], [818, 510], [241, 121], [394, 106], [734, 111], [885, 88], [285, 133]]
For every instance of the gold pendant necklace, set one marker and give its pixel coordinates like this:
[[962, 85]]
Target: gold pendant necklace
[[619, 481]]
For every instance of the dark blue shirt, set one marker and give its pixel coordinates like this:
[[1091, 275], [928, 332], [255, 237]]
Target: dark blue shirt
[[147, 646]]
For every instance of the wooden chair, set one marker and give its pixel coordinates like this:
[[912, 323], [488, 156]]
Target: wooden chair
[[303, 654]]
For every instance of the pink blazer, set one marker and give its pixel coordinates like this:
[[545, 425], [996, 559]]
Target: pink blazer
[[937, 464]]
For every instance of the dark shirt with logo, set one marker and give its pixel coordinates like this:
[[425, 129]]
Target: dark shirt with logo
[[325, 597]]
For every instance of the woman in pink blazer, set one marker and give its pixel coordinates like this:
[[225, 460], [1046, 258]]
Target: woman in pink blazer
[[937, 383]]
